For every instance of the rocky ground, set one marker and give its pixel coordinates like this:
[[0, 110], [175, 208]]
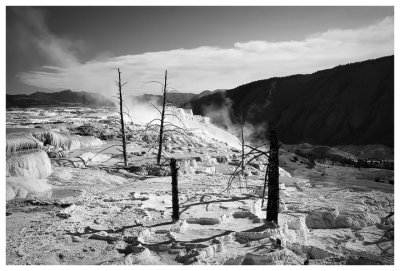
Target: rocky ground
[[100, 213], [114, 217]]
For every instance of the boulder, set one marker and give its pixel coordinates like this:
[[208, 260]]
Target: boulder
[[282, 206], [155, 170], [212, 161], [180, 227], [255, 208], [206, 170], [328, 218], [300, 229], [193, 163], [356, 220], [140, 255], [323, 218], [224, 159], [301, 184], [186, 170]]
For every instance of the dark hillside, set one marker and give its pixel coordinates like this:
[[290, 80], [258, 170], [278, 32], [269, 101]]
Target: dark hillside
[[350, 104]]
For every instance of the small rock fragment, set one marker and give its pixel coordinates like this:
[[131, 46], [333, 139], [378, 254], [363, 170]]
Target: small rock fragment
[[76, 239], [63, 215]]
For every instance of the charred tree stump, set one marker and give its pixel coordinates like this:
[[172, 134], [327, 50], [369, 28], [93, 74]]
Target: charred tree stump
[[175, 193], [273, 179]]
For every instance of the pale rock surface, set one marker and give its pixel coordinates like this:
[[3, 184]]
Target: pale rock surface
[[328, 218], [205, 170], [94, 158], [300, 230], [193, 163], [275, 257], [255, 209], [282, 206], [141, 255], [296, 182], [84, 142], [284, 173], [35, 164], [23, 187]]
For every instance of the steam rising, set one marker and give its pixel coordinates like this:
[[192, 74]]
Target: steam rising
[[141, 112], [222, 116]]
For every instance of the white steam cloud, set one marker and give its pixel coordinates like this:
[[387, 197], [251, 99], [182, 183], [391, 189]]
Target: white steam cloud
[[141, 112]]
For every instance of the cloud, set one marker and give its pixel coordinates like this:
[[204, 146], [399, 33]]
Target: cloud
[[202, 68], [32, 33]]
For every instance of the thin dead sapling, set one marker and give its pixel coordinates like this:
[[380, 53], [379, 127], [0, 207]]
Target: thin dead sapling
[[121, 112], [162, 125]]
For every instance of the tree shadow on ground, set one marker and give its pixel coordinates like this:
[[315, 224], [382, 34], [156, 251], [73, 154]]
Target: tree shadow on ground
[[202, 202], [89, 230]]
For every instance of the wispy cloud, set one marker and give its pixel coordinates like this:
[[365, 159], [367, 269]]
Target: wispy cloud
[[34, 34], [198, 69]]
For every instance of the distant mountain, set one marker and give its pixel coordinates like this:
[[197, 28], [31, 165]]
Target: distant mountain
[[177, 99], [206, 93], [350, 104], [62, 98]]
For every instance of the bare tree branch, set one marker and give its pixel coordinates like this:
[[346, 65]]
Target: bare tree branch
[[159, 111], [257, 150]]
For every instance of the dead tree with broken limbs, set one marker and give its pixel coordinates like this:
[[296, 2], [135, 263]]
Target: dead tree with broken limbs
[[242, 136], [271, 175], [121, 112], [162, 125], [247, 158], [160, 140], [239, 171]]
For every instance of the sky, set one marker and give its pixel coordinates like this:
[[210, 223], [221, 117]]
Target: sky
[[203, 48]]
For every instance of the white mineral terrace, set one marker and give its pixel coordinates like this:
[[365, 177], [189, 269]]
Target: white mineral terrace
[[79, 207]]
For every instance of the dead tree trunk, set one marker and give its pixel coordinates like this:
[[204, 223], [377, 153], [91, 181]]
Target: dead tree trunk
[[121, 111], [175, 194], [265, 184], [242, 136], [273, 179], [162, 121]]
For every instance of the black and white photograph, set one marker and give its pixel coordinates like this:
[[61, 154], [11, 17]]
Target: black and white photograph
[[198, 134]]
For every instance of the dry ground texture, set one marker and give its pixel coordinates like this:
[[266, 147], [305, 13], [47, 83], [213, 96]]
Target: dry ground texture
[[101, 214]]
